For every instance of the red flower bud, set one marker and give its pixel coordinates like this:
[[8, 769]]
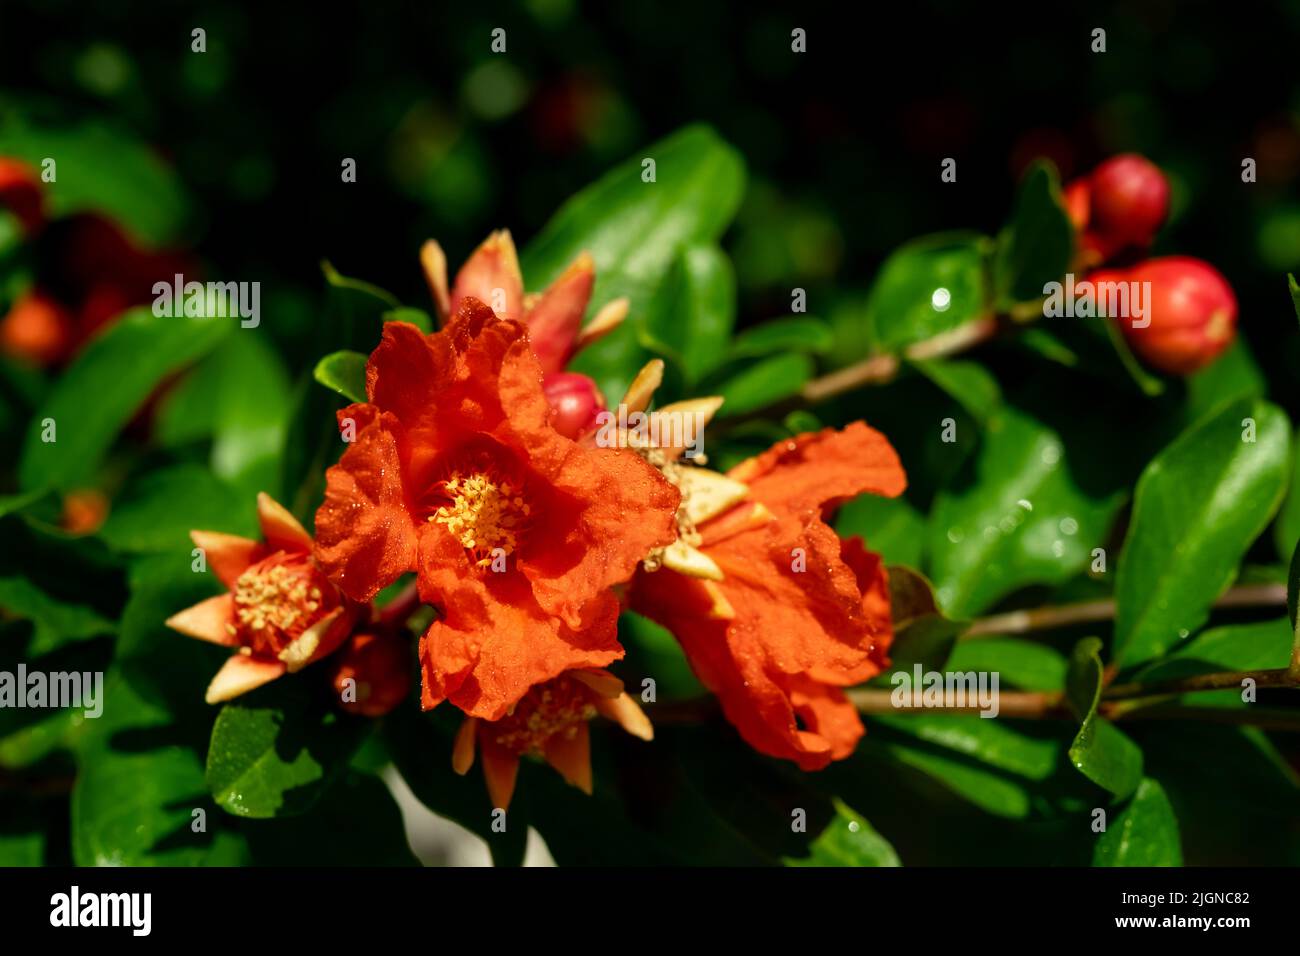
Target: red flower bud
[[20, 192], [380, 664], [575, 402], [37, 329], [1190, 308], [1129, 200]]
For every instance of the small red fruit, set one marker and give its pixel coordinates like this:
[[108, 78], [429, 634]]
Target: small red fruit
[[575, 402], [1190, 308], [380, 665], [1129, 200]]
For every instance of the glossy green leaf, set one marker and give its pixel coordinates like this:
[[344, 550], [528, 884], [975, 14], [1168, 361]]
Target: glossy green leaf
[[345, 373], [1020, 663], [635, 230], [274, 752], [1234, 647], [692, 313], [1037, 244], [848, 840], [95, 398], [1144, 833], [1199, 505], [764, 383], [1016, 515], [928, 286], [796, 333], [1100, 752]]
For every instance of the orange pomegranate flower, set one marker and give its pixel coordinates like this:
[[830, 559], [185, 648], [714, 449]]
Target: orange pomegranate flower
[[516, 533], [553, 317], [773, 610], [551, 722], [280, 613]]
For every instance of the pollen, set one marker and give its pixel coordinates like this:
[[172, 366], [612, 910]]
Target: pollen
[[274, 603], [483, 514], [557, 707]]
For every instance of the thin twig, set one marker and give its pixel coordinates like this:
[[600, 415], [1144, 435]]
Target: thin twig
[[1088, 612]]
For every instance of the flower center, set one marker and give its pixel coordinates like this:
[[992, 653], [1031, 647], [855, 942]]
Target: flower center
[[557, 707], [483, 514], [275, 601]]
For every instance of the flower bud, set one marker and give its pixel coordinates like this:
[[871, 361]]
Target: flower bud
[[380, 664], [1191, 309], [1128, 200], [37, 329], [575, 402]]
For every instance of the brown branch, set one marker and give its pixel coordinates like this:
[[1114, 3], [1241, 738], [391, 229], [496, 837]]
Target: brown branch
[[1088, 612]]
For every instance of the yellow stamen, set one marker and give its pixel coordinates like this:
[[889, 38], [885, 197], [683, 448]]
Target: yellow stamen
[[483, 514], [276, 598]]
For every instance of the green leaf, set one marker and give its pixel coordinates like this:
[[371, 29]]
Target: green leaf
[[1100, 752], [1199, 505], [101, 170], [345, 373], [907, 301], [635, 230], [691, 315], [96, 396], [138, 791], [1295, 293], [1145, 833], [1036, 246], [993, 763], [158, 511], [1021, 663], [847, 840], [239, 396], [54, 622], [974, 388], [764, 383], [892, 527], [1019, 516], [1233, 647], [1231, 377], [274, 752], [796, 333]]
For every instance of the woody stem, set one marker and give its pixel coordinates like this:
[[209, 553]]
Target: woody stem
[[877, 369], [1088, 612]]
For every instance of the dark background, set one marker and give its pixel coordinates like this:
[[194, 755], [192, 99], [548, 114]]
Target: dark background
[[843, 143]]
